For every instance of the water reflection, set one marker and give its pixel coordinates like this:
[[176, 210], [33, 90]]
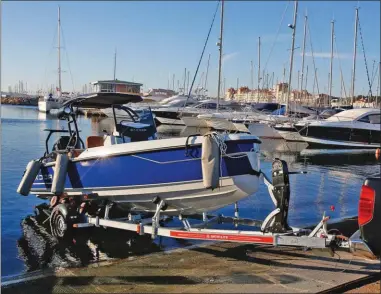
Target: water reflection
[[46, 116], [39, 249]]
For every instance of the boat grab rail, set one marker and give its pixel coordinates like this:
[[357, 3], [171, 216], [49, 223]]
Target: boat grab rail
[[51, 132]]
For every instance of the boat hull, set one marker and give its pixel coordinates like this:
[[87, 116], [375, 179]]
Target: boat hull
[[174, 174], [316, 142], [46, 106], [263, 130], [289, 133], [169, 121], [291, 136], [335, 136]]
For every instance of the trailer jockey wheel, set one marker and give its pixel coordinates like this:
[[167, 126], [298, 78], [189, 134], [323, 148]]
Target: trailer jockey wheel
[[281, 183]]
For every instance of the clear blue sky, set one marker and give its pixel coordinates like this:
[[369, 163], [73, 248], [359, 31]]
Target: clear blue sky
[[156, 39]]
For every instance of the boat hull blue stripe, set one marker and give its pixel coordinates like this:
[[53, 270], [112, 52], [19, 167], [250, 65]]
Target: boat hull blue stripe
[[147, 168]]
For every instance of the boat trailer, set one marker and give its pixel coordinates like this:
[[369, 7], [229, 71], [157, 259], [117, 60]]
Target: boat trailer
[[273, 230]]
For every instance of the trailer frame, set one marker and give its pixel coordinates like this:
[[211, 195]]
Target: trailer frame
[[273, 230]]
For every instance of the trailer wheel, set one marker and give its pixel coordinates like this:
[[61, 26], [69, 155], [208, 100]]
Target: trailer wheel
[[60, 225]]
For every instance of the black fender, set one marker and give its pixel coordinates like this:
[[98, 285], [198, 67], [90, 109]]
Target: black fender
[[69, 213], [61, 208]]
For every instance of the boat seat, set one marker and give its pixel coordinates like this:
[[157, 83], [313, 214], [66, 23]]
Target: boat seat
[[75, 153], [63, 142], [135, 131], [94, 141]]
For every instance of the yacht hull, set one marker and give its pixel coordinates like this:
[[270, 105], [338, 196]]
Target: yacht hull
[[169, 121], [133, 180], [292, 136], [46, 106], [346, 136], [263, 130], [316, 142], [289, 133]]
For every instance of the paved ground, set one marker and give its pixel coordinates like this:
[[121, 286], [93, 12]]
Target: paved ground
[[221, 267], [371, 288]]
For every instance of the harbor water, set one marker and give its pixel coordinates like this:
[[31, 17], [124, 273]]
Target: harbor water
[[331, 185]]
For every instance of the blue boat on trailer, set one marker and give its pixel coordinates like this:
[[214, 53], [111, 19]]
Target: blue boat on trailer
[[132, 169]]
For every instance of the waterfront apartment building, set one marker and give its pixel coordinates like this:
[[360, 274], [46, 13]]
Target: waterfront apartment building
[[276, 94]]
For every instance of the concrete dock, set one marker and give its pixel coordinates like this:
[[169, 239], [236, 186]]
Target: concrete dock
[[218, 267]]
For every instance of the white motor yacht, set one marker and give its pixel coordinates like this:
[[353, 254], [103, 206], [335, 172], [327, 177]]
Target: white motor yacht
[[355, 128], [157, 95], [290, 133]]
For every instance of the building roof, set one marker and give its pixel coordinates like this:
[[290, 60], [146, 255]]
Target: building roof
[[119, 82]]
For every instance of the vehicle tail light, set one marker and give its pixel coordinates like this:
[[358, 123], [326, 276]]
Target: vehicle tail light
[[366, 205]]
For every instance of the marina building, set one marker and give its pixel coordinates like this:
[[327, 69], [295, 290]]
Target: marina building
[[116, 86]]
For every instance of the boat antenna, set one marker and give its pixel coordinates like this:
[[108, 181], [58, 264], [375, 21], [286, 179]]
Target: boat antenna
[[220, 56], [293, 27], [202, 54], [59, 51]]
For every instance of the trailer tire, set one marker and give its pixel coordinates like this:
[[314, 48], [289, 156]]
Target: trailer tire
[[60, 224]]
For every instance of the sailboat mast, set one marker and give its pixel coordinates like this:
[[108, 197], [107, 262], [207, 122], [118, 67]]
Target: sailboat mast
[[259, 66], [224, 85], [354, 57], [59, 51], [293, 27], [331, 63], [185, 78], [206, 76], [220, 57], [252, 75], [272, 81], [379, 83], [115, 65], [304, 50], [188, 81], [305, 85]]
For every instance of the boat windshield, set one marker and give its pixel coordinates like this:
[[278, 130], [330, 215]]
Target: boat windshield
[[348, 115], [145, 116], [136, 125]]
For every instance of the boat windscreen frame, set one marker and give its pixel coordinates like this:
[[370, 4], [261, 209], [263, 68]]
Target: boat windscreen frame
[[133, 115], [130, 112]]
